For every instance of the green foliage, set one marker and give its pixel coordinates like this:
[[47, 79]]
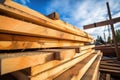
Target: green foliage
[[118, 35], [99, 40]]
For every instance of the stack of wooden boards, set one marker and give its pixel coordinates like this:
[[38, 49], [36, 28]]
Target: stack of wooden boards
[[108, 50], [35, 47], [110, 68]]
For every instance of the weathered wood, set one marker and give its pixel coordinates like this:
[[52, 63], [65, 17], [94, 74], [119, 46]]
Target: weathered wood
[[107, 50], [17, 61], [67, 75], [113, 32], [44, 75], [17, 11], [54, 16], [108, 77], [92, 73], [109, 67], [12, 45], [102, 23], [110, 64], [24, 28], [110, 71], [46, 66]]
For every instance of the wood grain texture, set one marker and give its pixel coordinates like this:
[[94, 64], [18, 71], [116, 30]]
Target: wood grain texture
[[44, 75], [17, 61], [51, 64], [13, 45], [13, 37], [67, 75], [61, 54], [79, 48], [24, 13], [24, 28], [92, 73]]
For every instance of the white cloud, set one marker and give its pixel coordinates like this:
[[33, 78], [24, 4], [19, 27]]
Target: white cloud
[[86, 12]]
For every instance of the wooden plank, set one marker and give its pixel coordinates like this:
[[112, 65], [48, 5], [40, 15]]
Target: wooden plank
[[54, 16], [108, 77], [78, 67], [79, 48], [18, 11], [13, 45], [110, 67], [13, 37], [110, 64], [21, 60], [102, 23], [44, 75], [24, 28], [59, 73], [61, 54], [93, 69], [110, 71], [80, 75], [49, 65]]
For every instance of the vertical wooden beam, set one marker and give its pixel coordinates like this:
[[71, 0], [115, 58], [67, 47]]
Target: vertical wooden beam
[[113, 32]]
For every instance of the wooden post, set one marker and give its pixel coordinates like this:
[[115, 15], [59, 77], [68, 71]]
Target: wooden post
[[113, 32]]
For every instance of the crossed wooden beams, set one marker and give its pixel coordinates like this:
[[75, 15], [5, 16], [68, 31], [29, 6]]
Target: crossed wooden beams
[[108, 22]]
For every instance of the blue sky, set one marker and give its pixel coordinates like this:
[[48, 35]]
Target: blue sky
[[78, 12]]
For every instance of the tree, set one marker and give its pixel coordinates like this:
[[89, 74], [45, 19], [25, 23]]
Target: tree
[[99, 40], [118, 35]]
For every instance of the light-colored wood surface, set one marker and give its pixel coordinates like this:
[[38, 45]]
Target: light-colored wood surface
[[12, 45], [79, 48], [10, 62], [24, 28], [84, 69], [44, 75], [27, 14], [67, 75], [11, 37], [92, 73], [61, 54], [49, 65]]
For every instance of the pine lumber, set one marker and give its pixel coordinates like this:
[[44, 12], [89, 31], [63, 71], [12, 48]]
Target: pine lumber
[[25, 28], [84, 70], [13, 37], [81, 66], [93, 71], [44, 75], [18, 11], [10, 62], [49, 65], [79, 48], [13, 45], [61, 54]]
